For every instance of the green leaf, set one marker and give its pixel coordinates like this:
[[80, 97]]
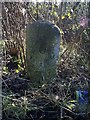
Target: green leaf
[[63, 17], [17, 71], [69, 14]]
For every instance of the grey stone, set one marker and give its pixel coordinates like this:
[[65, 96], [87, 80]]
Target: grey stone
[[42, 51]]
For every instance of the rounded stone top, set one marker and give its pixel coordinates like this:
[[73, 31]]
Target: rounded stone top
[[46, 25]]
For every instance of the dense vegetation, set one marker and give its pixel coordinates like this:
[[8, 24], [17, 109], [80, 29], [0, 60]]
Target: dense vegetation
[[21, 100]]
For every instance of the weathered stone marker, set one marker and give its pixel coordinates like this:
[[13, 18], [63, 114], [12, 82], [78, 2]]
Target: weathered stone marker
[[42, 51]]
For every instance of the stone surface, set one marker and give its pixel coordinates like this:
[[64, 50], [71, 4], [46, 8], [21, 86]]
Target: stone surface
[[42, 51]]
